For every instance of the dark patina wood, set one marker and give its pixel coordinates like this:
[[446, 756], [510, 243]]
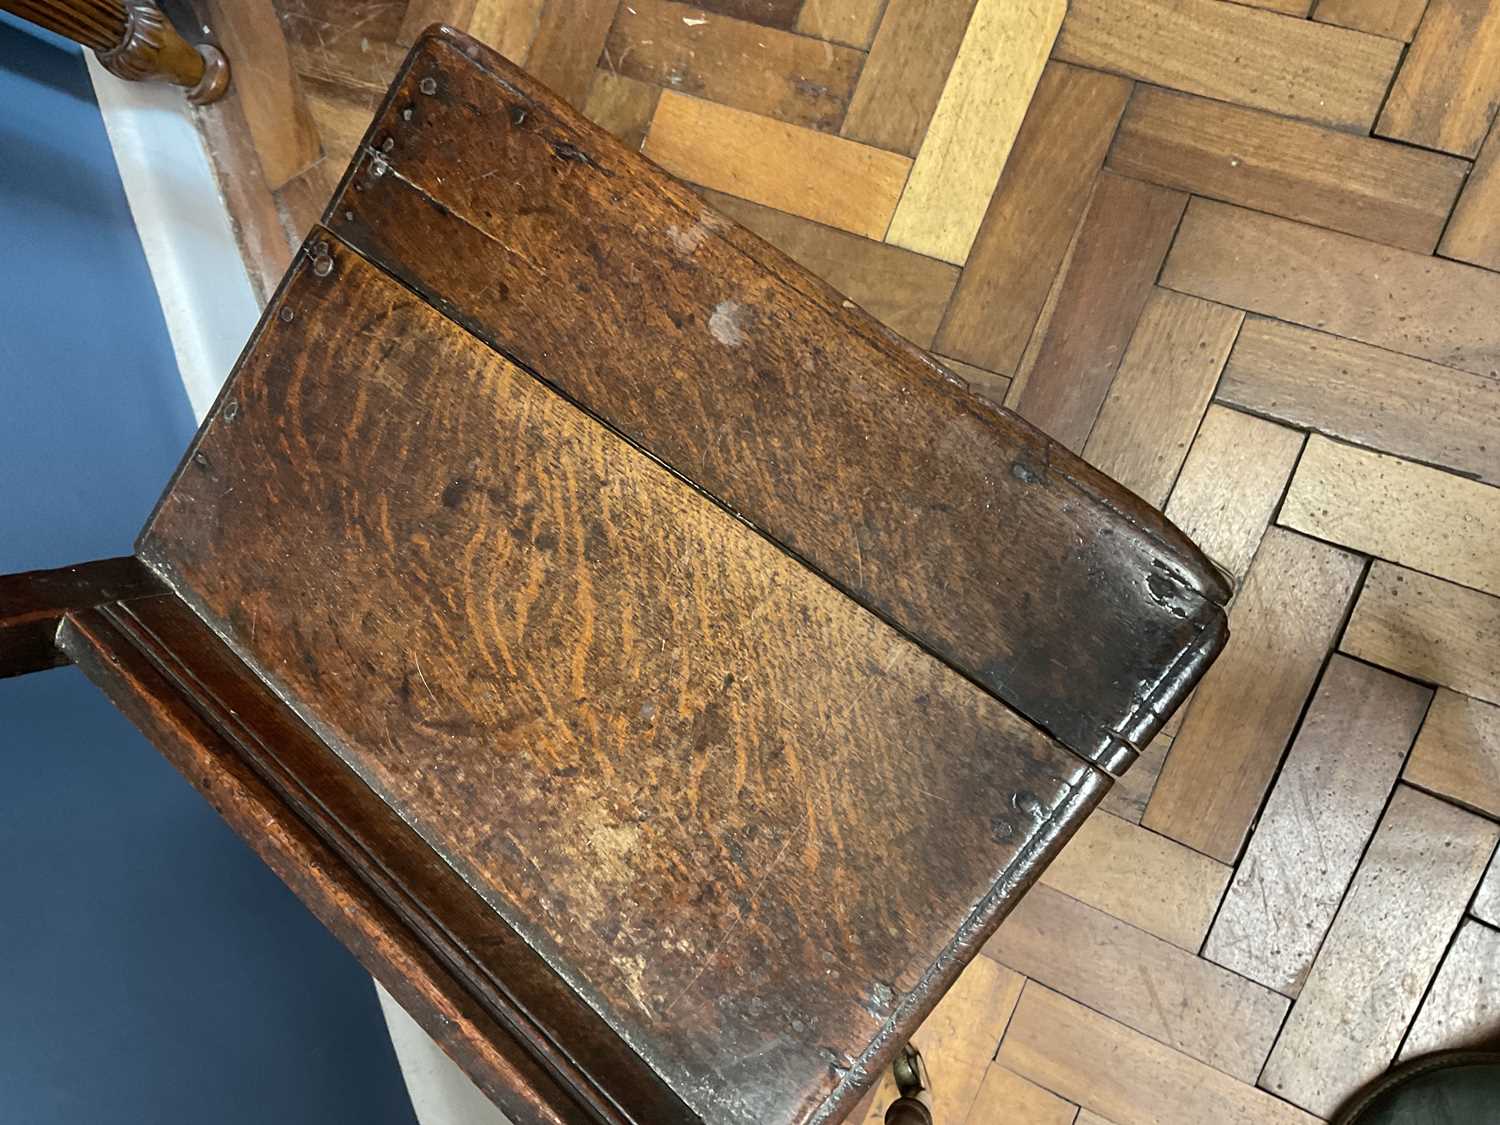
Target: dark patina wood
[[687, 766], [661, 677], [1009, 557], [32, 605]]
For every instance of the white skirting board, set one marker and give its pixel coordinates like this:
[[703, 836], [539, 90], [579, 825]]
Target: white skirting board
[[210, 311]]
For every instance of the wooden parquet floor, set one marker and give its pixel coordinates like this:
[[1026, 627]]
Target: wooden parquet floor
[[1244, 258]]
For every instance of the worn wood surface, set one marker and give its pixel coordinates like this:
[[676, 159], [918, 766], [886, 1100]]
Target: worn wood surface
[[1366, 395], [1428, 629], [1153, 883], [1236, 54], [1457, 755], [1326, 801], [1405, 902], [1395, 19], [1380, 191], [1398, 510], [1120, 247], [1159, 393], [1004, 1094], [1157, 988], [623, 106], [892, 481], [1259, 457], [1122, 1075], [1395, 299], [1448, 87], [1127, 798], [974, 126], [852, 22], [33, 603], [790, 77], [558, 609], [1284, 621], [567, 44], [1032, 215], [1462, 1010], [1473, 231], [1486, 904]]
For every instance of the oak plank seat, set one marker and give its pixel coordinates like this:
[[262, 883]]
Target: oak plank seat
[[660, 675]]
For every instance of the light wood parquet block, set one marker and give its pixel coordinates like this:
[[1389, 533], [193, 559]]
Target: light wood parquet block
[[1395, 299], [1448, 87], [830, 180], [1120, 247], [569, 40], [1384, 947], [1238, 54], [851, 22], [1394, 19], [1159, 394], [1462, 1011], [1473, 233], [1153, 883], [1032, 216], [1258, 456], [974, 126], [1377, 190], [1398, 510], [1428, 629], [1457, 755], [790, 77], [1060, 1045], [622, 105], [1150, 985], [1282, 626], [903, 79], [1381, 399], [1316, 823]]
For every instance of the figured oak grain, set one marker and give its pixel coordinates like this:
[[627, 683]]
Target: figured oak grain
[[606, 672], [1374, 189], [790, 405], [1319, 817], [1032, 215], [1283, 624], [1381, 399], [1384, 947]]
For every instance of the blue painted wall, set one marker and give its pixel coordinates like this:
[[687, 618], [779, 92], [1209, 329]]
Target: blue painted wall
[[151, 970]]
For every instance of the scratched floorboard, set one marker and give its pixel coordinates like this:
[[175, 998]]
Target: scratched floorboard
[[1192, 999]]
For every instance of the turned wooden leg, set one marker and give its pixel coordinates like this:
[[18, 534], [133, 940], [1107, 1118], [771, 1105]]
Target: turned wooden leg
[[133, 40], [32, 606]]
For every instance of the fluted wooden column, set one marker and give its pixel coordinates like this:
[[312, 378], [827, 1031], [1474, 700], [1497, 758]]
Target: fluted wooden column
[[133, 40]]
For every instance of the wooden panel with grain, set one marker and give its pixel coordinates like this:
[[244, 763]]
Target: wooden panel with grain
[[1397, 510], [1236, 54], [1006, 1096], [1145, 983], [1258, 456], [568, 44], [1374, 189], [1462, 1010], [1428, 629], [1395, 299], [550, 629], [841, 21], [1120, 247], [1473, 233], [830, 180], [1283, 624], [622, 106], [908, 67], [1316, 823], [1153, 883], [891, 480], [1395, 19], [1385, 944], [957, 1041], [790, 77], [1122, 1075], [974, 126], [904, 291], [1159, 394], [1410, 407], [1457, 755], [269, 91], [1448, 88], [1036, 207]]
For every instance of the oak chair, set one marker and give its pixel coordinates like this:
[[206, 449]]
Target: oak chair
[[661, 676]]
